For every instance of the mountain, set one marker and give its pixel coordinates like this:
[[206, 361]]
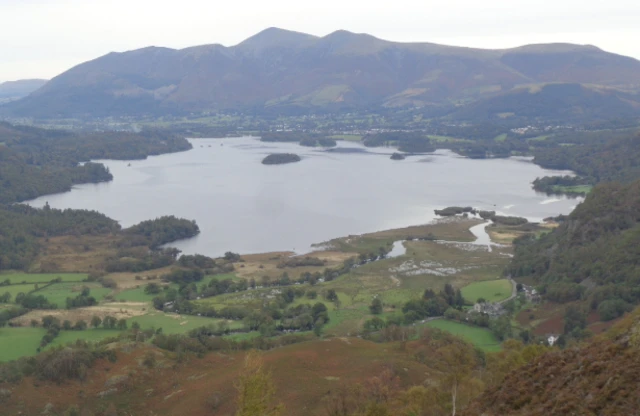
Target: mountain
[[287, 72], [13, 90]]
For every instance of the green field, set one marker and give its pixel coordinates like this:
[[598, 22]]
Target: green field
[[15, 289], [59, 292], [134, 295], [93, 335], [490, 290], [480, 337], [18, 278], [19, 342], [176, 324], [578, 189]]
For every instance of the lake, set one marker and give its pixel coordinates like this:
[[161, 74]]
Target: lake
[[246, 207]]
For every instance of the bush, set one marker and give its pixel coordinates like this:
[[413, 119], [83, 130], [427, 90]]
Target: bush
[[612, 309]]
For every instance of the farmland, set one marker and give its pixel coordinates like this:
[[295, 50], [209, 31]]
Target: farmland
[[480, 337], [437, 253], [491, 290]]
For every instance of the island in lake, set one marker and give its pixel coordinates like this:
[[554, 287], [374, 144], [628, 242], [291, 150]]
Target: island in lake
[[397, 156], [281, 158]]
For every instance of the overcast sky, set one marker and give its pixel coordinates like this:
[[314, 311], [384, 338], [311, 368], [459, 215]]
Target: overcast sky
[[42, 38]]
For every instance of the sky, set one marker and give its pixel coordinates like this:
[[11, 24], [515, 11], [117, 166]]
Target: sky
[[43, 38]]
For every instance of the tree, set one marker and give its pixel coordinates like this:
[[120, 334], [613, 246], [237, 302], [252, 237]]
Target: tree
[[574, 318], [66, 325], [376, 306], [96, 321], [80, 325], [50, 321], [332, 295], [460, 362], [6, 298], [256, 389], [109, 322], [122, 324], [152, 289]]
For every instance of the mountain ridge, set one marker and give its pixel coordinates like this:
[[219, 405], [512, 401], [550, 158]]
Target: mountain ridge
[[282, 70]]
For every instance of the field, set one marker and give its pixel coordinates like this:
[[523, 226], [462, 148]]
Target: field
[[15, 289], [66, 337], [175, 324], [491, 290], [578, 189], [59, 292], [40, 278], [480, 337], [19, 342]]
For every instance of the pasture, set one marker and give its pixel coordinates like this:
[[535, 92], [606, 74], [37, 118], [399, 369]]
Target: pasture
[[41, 278], [480, 337], [490, 290], [59, 292], [19, 342]]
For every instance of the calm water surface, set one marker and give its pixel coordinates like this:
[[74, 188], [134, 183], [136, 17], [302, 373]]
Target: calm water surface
[[244, 206]]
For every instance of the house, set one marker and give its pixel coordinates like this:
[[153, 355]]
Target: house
[[491, 309], [551, 339]]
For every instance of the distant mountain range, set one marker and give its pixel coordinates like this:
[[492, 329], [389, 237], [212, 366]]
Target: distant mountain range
[[279, 71], [13, 90]]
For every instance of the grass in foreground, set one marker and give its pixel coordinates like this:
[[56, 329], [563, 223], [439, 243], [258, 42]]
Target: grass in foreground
[[480, 337], [491, 290]]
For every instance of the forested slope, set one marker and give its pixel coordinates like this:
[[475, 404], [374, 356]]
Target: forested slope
[[36, 162], [593, 254], [598, 156]]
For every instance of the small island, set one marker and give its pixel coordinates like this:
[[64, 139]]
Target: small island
[[280, 159], [397, 156]]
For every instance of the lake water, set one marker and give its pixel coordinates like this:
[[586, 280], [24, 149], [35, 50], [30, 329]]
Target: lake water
[[244, 206]]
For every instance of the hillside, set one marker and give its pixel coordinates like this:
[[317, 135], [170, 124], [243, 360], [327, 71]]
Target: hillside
[[310, 378], [558, 102], [288, 72], [599, 378], [592, 256], [13, 90]]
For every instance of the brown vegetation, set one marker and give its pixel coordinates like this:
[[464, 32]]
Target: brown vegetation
[[598, 378]]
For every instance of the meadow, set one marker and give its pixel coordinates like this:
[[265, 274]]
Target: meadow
[[19, 342], [480, 337], [59, 292], [490, 290], [41, 278]]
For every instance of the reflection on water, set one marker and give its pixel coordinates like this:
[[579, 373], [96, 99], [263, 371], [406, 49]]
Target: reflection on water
[[244, 206]]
